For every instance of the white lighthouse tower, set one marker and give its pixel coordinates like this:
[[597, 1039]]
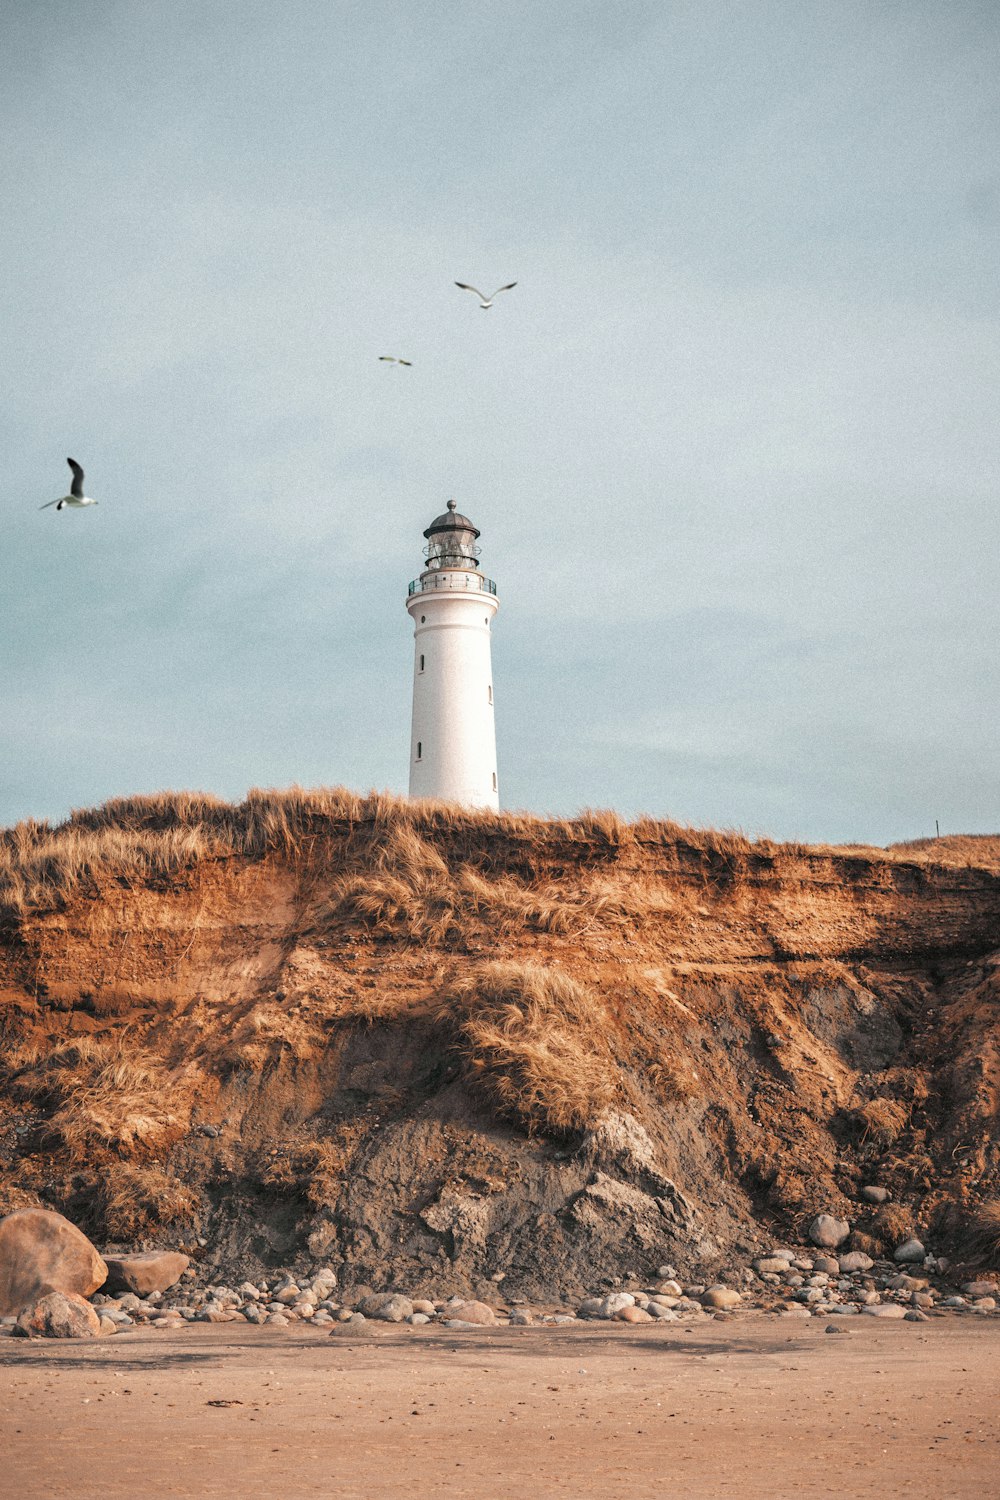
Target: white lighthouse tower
[[453, 747]]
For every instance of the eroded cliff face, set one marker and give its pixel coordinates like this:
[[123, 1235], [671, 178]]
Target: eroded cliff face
[[465, 1055]]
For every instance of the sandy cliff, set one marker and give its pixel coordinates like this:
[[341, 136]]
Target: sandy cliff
[[465, 1050]]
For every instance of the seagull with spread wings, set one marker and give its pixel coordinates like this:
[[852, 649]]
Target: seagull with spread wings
[[485, 302], [76, 499], [391, 359]]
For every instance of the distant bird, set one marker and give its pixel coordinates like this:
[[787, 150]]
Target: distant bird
[[485, 302], [76, 498], [390, 359]]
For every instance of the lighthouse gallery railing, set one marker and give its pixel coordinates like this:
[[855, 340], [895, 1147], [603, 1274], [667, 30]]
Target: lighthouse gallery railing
[[449, 580]]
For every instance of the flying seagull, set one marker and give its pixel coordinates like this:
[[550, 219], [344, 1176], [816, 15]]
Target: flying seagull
[[76, 498], [485, 302], [390, 359]]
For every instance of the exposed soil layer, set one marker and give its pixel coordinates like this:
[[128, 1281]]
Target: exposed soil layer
[[750, 1409], [485, 1055]]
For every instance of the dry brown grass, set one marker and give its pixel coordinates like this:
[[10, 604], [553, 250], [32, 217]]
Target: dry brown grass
[[403, 886], [891, 1225], [313, 1171], [99, 1098], [881, 1121], [534, 1040], [790, 1193], [980, 851], [131, 1202], [149, 838], [980, 1235]]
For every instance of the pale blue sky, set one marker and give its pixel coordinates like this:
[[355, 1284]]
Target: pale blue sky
[[732, 442]]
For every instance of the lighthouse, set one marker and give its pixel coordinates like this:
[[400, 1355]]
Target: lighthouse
[[453, 745]]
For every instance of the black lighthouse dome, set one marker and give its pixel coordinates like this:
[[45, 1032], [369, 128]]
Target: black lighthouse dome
[[451, 540]]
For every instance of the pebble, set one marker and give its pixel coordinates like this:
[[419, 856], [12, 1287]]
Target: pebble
[[721, 1297], [855, 1260], [828, 1232], [874, 1194], [475, 1312], [910, 1252], [916, 1316], [387, 1307], [634, 1315], [885, 1310]]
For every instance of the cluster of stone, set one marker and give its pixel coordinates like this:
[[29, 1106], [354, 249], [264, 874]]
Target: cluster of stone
[[161, 1290]]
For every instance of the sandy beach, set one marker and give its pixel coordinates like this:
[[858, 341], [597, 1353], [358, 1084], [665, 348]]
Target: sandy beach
[[757, 1407]]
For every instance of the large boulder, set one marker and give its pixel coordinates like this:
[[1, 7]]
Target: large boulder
[[58, 1315], [43, 1252], [150, 1271]]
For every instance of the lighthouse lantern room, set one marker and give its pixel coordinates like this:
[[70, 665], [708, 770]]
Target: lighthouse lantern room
[[453, 753]]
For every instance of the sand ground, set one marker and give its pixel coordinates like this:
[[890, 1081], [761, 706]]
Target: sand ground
[[754, 1407]]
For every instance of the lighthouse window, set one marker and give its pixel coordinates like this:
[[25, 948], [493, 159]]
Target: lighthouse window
[[421, 664], [494, 781], [489, 690], [422, 618], [420, 749]]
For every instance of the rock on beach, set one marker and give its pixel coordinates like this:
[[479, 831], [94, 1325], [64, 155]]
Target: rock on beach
[[58, 1315], [41, 1252], [910, 1252], [722, 1297], [151, 1271], [387, 1307], [827, 1232]]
